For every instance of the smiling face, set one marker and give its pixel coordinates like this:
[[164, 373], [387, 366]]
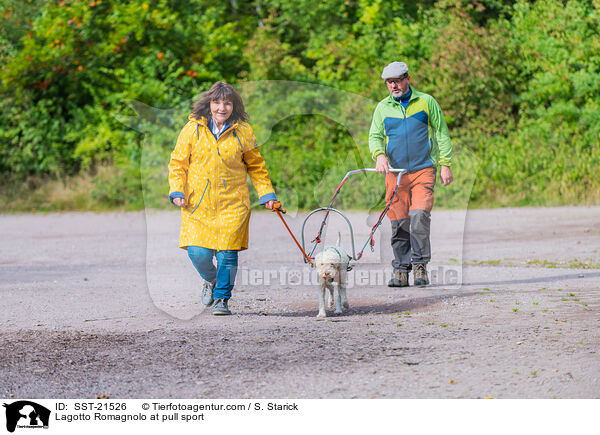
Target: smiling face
[[221, 111], [398, 86]]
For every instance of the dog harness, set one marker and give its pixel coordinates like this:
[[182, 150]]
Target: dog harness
[[348, 268]]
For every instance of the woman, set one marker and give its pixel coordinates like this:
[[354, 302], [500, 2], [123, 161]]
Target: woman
[[207, 179]]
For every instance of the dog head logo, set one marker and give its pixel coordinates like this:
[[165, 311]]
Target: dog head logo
[[26, 414]]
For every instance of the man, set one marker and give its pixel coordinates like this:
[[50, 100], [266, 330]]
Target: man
[[409, 132]]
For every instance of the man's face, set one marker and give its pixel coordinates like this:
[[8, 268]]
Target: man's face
[[398, 86]]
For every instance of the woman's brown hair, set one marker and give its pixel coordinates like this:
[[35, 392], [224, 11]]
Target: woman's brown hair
[[220, 91]]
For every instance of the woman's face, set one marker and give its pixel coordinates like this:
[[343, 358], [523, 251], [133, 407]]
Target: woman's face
[[221, 111]]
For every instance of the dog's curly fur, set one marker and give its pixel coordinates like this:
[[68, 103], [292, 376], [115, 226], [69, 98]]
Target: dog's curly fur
[[332, 266]]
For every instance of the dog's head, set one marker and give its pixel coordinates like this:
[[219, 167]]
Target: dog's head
[[328, 263]]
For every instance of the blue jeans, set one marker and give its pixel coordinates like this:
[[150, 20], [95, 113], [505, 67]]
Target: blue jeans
[[224, 273]]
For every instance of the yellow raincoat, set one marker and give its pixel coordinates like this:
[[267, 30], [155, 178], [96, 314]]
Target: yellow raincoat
[[211, 175]]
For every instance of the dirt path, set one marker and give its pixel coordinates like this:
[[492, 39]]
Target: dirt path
[[105, 304]]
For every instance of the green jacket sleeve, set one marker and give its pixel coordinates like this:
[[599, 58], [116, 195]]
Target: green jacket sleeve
[[442, 137], [377, 134]]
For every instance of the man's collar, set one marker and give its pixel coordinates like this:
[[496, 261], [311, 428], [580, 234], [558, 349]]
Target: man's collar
[[404, 98]]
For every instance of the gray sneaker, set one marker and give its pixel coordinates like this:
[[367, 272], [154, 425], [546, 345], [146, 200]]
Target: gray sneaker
[[220, 308], [207, 293]]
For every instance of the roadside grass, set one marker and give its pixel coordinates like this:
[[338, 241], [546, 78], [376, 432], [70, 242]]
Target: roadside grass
[[83, 192], [570, 264], [483, 263], [41, 195]]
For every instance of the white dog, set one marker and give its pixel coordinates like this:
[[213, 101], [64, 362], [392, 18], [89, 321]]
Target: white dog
[[332, 266]]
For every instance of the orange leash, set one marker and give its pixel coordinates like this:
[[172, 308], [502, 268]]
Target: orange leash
[[277, 208]]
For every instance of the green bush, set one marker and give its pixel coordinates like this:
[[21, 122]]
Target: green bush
[[518, 81]]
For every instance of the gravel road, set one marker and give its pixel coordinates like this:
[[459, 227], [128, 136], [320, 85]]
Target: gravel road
[[107, 305]]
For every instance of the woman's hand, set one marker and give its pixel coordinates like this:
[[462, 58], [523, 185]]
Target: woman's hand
[[179, 202], [269, 204]]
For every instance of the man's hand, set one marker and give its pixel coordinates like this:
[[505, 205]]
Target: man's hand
[[382, 165], [269, 204], [179, 202], [446, 175]]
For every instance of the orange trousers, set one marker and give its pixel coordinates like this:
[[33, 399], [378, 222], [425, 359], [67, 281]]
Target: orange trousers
[[415, 192]]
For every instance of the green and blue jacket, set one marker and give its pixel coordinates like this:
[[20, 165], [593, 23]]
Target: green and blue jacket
[[414, 137]]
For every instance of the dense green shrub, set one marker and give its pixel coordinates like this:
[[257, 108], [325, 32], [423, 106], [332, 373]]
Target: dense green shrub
[[81, 64], [518, 81]]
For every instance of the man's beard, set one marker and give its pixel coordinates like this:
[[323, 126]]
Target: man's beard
[[400, 92]]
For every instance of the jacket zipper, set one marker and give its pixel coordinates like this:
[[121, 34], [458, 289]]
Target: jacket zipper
[[406, 136], [223, 134], [202, 197]]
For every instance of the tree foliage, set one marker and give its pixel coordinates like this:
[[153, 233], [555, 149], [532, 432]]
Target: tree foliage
[[517, 80]]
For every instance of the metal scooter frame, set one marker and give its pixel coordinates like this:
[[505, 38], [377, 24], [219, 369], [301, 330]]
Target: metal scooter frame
[[329, 209]]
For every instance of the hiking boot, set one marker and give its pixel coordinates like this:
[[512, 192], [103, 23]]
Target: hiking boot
[[207, 293], [420, 270], [399, 279], [220, 308]]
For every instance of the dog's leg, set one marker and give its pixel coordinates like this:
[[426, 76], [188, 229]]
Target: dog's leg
[[322, 312], [330, 299], [342, 290], [338, 302]]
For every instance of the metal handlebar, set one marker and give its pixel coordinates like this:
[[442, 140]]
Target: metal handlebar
[[330, 208]]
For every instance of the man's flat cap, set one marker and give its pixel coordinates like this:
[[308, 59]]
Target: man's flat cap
[[394, 70]]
